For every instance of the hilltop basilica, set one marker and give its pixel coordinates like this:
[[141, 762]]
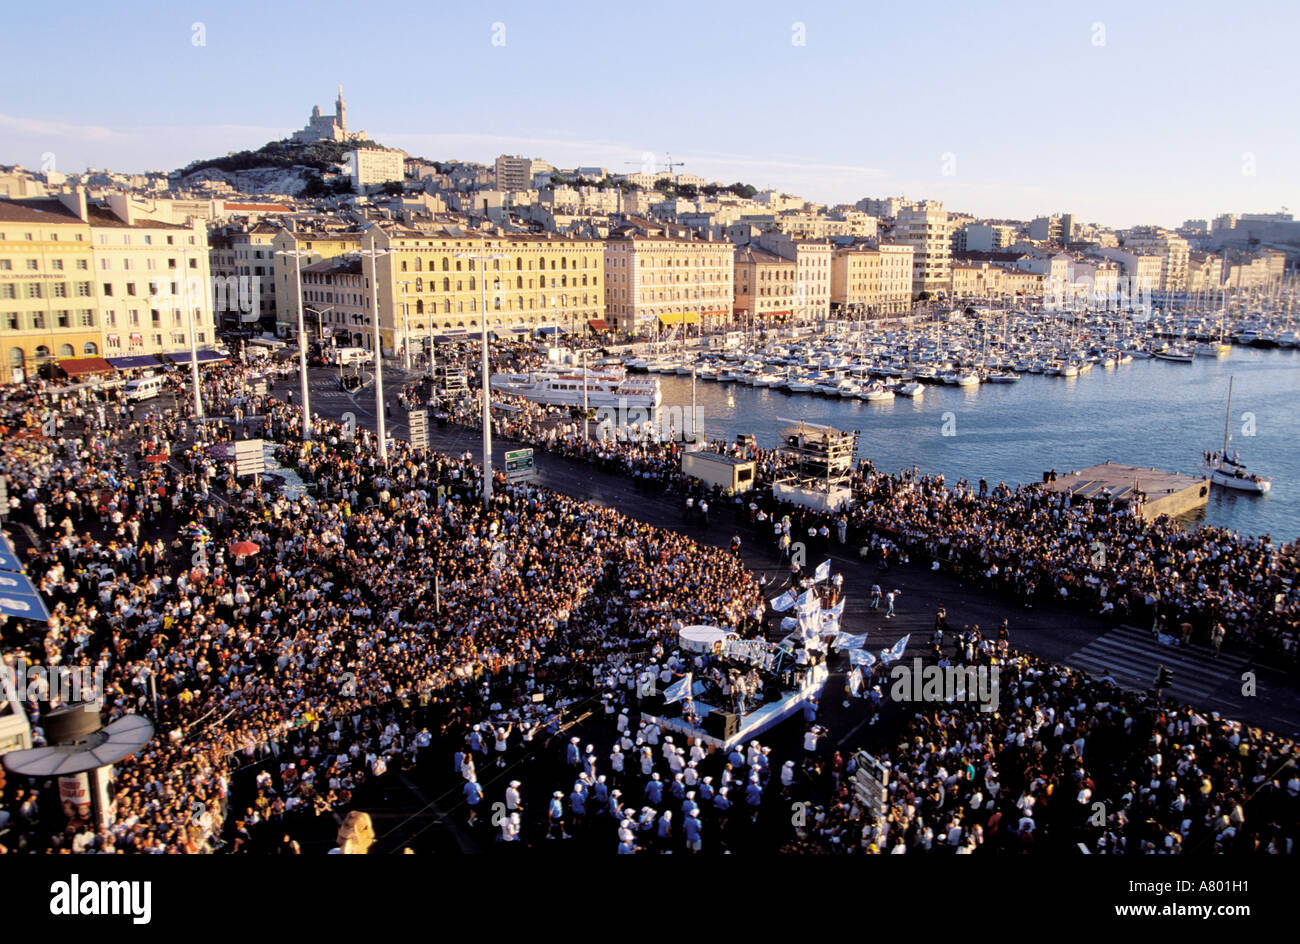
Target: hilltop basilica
[[328, 127]]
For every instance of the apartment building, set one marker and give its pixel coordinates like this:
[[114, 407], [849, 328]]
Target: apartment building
[[652, 281], [1172, 249], [372, 166], [85, 280], [812, 259], [926, 229]]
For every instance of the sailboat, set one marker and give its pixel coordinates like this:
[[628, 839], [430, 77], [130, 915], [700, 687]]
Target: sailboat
[[1226, 469]]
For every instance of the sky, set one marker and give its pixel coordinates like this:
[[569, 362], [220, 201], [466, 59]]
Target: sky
[[1122, 113]]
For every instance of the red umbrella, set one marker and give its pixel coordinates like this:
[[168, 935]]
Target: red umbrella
[[244, 548], [161, 457]]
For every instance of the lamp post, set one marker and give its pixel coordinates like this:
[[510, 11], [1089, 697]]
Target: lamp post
[[406, 327], [374, 255], [487, 393], [194, 352], [302, 336]]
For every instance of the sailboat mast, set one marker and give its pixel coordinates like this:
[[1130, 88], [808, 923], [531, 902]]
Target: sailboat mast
[[1227, 419]]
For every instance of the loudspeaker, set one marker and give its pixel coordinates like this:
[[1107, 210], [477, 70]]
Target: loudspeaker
[[722, 724]]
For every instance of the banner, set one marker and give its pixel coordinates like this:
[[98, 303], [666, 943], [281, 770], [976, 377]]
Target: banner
[[822, 572], [861, 657], [678, 690], [848, 641], [855, 682], [784, 601], [895, 652]]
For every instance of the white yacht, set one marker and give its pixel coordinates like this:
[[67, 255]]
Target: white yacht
[[602, 390]]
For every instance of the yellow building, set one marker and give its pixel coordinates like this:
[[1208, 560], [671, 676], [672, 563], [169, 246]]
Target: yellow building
[[48, 307], [154, 281], [83, 280], [654, 281], [431, 283], [312, 247], [766, 285]]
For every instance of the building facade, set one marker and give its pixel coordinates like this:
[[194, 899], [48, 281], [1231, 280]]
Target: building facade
[[925, 228], [658, 281]]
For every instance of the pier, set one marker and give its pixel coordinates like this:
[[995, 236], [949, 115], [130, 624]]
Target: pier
[[1165, 493]]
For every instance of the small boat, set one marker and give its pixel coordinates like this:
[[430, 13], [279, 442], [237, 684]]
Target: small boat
[[878, 393], [912, 389], [1002, 377], [1212, 349], [1176, 355]]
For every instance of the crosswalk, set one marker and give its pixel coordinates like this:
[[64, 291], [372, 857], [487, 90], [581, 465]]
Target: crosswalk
[[1131, 656]]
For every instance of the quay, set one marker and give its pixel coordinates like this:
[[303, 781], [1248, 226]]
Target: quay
[[1160, 493]]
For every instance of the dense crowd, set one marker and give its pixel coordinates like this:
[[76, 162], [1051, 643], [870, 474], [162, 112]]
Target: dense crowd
[[386, 620], [1026, 542]]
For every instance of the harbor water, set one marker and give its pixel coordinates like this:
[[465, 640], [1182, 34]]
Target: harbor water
[[1147, 413]]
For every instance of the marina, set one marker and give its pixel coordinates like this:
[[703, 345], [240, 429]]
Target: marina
[[1150, 413]]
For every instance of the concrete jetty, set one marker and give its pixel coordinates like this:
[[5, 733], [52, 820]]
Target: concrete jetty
[[1159, 492]]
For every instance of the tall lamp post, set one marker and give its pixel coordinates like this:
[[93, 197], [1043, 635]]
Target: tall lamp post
[[487, 393], [194, 351], [406, 326], [302, 335], [374, 255]]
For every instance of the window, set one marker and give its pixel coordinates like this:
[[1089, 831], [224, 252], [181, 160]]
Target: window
[[56, 264], [38, 320], [8, 290], [33, 265], [12, 321], [65, 350], [34, 290], [87, 317], [90, 348], [83, 265], [63, 318], [6, 266]]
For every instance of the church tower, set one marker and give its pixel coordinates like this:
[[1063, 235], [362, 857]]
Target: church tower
[[340, 111]]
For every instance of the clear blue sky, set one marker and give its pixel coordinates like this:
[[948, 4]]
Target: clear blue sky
[[1121, 115]]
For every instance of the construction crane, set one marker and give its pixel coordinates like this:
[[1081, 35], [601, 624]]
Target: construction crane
[[669, 164]]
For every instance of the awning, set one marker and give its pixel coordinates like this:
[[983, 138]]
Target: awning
[[204, 356], [520, 330], [597, 324], [134, 361], [77, 366], [451, 336], [19, 597], [550, 329], [680, 317]]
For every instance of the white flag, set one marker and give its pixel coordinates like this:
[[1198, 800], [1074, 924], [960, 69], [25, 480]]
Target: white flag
[[822, 572], [678, 690], [895, 652], [784, 601]]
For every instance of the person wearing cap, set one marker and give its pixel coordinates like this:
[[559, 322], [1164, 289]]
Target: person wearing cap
[[616, 764], [555, 817], [616, 808], [693, 830], [473, 796], [513, 801], [722, 807], [622, 722], [647, 761], [753, 798], [654, 790], [706, 790], [578, 805], [510, 828], [573, 754], [664, 829], [599, 795]]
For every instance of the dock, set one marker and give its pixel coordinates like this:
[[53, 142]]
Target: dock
[[1161, 493]]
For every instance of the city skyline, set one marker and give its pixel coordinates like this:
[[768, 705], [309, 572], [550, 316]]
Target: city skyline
[[1074, 111]]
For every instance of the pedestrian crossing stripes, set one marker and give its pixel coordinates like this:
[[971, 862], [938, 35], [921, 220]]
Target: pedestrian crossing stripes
[[1131, 656]]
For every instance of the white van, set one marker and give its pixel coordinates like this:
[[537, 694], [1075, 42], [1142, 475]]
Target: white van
[[146, 388], [347, 356]]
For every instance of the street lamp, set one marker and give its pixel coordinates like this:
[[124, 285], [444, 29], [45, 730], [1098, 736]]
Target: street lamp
[[487, 393], [302, 335], [374, 255], [406, 326], [194, 352]]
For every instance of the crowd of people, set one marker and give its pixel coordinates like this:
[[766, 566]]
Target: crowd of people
[[385, 620], [1025, 542]]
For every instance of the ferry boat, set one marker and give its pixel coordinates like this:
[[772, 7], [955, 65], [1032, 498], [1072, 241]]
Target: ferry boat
[[602, 390]]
